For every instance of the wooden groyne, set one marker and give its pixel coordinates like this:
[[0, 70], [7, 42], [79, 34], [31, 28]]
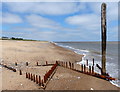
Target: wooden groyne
[[46, 64], [43, 81], [8, 67], [37, 78], [85, 69]]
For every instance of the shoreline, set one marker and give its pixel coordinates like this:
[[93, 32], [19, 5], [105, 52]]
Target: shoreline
[[84, 55], [32, 52], [71, 49]]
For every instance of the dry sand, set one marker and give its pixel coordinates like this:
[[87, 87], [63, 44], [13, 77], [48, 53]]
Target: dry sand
[[33, 51], [36, 51]]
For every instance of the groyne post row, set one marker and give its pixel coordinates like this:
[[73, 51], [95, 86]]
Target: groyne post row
[[16, 64], [35, 78], [11, 68], [46, 64], [85, 68], [42, 82], [8, 67]]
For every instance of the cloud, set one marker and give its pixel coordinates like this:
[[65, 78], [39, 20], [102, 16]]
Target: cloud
[[41, 22], [44, 23], [85, 21], [112, 12], [82, 21], [111, 9], [24, 29], [91, 22], [9, 18], [43, 35], [48, 8]]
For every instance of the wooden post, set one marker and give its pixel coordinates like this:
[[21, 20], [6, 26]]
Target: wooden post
[[89, 69], [39, 81], [70, 65], [62, 63], [20, 72], [93, 61], [31, 76], [87, 62], [16, 63], [26, 75], [14, 70], [103, 30], [82, 67], [92, 69], [37, 63], [36, 79], [99, 68], [42, 83], [26, 63], [45, 79], [46, 63]]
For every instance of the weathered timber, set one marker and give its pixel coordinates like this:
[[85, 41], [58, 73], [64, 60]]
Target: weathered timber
[[103, 31]]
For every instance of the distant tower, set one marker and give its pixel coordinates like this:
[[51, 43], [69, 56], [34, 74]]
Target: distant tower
[[103, 31]]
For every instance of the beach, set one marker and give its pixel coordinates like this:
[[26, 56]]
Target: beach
[[40, 51]]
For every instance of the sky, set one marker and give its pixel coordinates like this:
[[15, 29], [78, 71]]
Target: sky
[[58, 21]]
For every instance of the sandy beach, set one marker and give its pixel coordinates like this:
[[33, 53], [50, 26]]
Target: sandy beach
[[36, 51]]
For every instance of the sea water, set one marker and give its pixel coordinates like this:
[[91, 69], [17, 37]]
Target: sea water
[[92, 50]]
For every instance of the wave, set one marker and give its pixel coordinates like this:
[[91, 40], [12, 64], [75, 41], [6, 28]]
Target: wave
[[116, 83], [78, 51]]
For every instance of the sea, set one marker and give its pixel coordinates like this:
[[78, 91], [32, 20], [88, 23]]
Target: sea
[[92, 50]]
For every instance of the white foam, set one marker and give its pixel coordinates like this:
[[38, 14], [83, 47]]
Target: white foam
[[85, 50], [116, 83]]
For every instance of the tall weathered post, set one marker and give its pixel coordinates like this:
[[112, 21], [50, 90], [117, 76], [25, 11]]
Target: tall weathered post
[[103, 30]]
